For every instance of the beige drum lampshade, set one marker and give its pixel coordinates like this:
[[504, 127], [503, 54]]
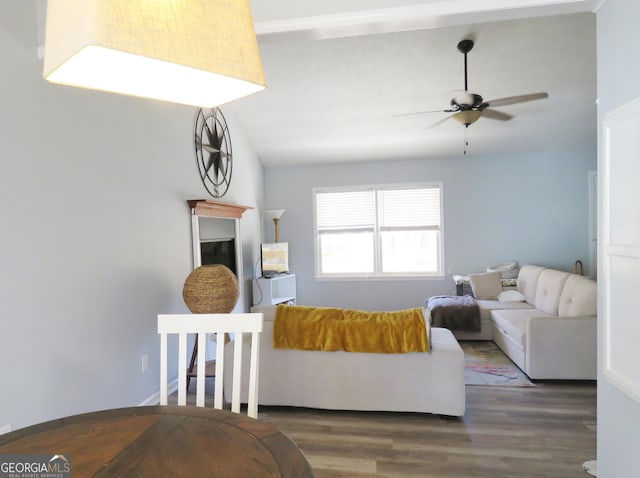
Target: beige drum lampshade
[[195, 52], [211, 289]]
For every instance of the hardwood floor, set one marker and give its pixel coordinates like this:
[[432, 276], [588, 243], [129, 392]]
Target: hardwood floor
[[544, 431]]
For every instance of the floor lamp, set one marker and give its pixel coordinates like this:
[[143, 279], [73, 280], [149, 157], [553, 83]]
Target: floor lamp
[[275, 214]]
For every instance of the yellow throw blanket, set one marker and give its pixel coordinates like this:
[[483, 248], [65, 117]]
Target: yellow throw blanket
[[330, 329]]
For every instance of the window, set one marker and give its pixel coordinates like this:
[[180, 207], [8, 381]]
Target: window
[[379, 231]]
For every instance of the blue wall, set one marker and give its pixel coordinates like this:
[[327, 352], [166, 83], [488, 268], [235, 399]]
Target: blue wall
[[531, 208]]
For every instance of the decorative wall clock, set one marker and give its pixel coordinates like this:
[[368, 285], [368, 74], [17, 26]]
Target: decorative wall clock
[[213, 151]]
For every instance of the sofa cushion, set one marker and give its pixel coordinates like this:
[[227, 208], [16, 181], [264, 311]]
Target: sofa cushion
[[513, 322], [486, 285], [510, 296], [550, 285], [579, 297], [528, 281], [486, 306]]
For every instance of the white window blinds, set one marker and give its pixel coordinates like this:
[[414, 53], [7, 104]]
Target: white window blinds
[[345, 210], [409, 208]]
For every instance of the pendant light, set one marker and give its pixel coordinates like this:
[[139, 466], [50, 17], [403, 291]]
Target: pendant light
[[195, 52]]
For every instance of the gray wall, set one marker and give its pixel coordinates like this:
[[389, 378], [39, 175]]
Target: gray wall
[[618, 83], [95, 233], [530, 208]]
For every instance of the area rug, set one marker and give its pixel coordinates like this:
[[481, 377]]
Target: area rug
[[486, 364]]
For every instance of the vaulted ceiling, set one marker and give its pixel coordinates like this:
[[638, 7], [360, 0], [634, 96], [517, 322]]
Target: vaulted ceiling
[[339, 73]]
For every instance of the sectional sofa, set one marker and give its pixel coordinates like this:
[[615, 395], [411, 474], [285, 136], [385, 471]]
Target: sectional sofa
[[549, 330], [426, 382]]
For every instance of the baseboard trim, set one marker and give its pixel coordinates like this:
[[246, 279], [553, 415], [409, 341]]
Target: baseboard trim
[[155, 398]]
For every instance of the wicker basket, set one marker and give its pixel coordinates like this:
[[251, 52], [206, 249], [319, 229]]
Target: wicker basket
[[211, 289]]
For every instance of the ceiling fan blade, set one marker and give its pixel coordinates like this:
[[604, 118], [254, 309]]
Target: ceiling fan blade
[[512, 100], [496, 115], [422, 113], [439, 122]]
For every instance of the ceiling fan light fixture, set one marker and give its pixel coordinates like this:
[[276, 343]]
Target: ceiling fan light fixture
[[467, 117], [195, 52], [463, 98]]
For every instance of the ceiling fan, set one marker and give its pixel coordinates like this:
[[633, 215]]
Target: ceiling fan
[[467, 107]]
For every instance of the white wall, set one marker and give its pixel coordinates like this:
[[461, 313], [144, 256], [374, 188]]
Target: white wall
[[530, 208], [618, 83], [95, 235]]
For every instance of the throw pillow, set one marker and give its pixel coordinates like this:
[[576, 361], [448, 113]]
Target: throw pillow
[[486, 286], [510, 296]]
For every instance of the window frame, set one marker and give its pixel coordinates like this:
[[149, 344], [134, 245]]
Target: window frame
[[377, 274]]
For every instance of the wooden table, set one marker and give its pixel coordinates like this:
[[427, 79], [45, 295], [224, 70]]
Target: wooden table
[[163, 441]]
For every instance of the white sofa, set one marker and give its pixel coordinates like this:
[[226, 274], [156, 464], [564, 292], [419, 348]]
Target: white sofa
[[552, 333], [431, 382], [463, 287]]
